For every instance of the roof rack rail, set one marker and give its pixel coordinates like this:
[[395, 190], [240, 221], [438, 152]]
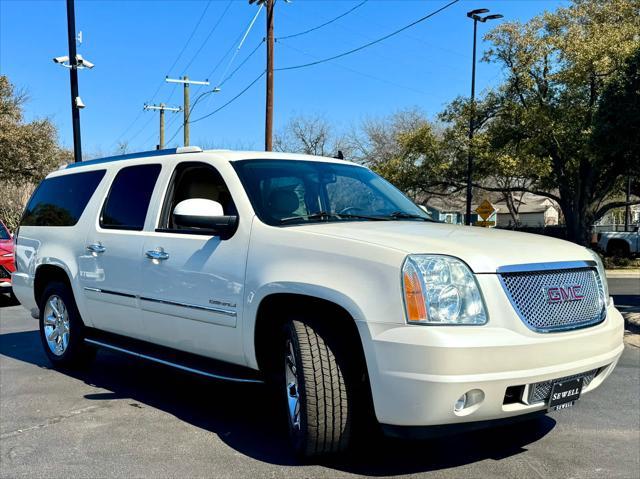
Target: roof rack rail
[[141, 154]]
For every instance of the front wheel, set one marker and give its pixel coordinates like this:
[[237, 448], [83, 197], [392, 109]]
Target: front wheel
[[318, 396], [61, 328]]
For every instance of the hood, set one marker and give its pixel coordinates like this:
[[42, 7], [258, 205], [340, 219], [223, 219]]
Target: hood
[[483, 249]]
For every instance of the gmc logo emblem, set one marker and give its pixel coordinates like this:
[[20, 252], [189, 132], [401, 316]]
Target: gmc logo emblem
[[563, 293]]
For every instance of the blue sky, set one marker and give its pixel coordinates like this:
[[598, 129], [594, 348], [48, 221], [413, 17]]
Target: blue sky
[[135, 43]]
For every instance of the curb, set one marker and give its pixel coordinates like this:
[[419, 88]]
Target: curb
[[621, 273]]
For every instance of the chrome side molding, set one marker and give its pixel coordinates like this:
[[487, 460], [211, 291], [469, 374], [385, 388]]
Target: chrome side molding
[[211, 309]]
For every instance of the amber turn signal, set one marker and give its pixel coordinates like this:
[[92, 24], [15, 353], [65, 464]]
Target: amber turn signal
[[414, 297]]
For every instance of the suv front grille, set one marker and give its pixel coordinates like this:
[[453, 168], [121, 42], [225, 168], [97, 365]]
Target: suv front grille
[[529, 293]]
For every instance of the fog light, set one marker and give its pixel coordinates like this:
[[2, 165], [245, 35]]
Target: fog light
[[469, 402], [460, 403]]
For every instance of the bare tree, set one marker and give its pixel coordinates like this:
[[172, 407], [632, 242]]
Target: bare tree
[[311, 135]]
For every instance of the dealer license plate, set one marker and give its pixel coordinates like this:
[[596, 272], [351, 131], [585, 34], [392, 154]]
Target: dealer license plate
[[564, 394]]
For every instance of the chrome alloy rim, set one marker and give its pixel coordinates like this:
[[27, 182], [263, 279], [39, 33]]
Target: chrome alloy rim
[[291, 384], [56, 325]]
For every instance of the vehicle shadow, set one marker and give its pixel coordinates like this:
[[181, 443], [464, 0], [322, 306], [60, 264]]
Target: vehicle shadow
[[246, 416], [6, 301]]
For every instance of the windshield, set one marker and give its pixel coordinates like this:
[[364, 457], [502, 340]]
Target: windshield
[[4, 234], [285, 192]]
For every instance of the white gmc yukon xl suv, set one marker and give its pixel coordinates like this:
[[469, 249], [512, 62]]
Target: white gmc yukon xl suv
[[317, 276]]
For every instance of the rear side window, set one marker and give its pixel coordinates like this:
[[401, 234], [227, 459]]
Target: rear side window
[[60, 201], [128, 200]]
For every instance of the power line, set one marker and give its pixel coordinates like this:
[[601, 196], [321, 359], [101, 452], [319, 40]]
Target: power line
[[213, 29], [141, 129], [244, 37], [358, 72], [318, 27], [193, 31], [237, 44], [188, 114], [232, 100], [228, 77], [202, 45], [190, 37], [223, 78], [367, 45], [242, 92]]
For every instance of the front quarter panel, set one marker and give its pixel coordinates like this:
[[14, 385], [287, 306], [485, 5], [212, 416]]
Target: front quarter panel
[[362, 278]]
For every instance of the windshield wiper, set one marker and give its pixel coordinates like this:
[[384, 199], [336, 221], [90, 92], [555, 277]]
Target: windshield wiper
[[363, 217], [401, 215], [323, 215]]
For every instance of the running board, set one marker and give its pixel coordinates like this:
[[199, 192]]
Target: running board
[[188, 362]]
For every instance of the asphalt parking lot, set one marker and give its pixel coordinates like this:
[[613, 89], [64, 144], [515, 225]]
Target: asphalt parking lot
[[128, 418]]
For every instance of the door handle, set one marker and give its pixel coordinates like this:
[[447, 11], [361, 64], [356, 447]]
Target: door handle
[[96, 248], [157, 254]]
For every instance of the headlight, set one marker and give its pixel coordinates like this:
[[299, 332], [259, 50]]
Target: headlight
[[6, 255], [603, 277], [441, 290]]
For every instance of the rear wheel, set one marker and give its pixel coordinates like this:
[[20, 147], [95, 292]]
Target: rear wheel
[[618, 248], [316, 388], [61, 328]]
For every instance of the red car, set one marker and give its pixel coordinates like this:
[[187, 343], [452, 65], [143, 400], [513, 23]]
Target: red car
[[7, 264]]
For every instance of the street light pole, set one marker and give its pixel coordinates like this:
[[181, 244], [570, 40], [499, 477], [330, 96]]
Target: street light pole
[[73, 75], [472, 117], [475, 16]]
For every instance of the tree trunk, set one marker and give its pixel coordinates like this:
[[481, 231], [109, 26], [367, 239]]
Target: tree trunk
[[578, 223]]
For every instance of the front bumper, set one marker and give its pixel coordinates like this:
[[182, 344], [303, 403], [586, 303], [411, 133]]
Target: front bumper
[[418, 373]]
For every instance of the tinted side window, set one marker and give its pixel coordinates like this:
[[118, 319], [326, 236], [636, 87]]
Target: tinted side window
[[195, 180], [60, 201], [128, 200]]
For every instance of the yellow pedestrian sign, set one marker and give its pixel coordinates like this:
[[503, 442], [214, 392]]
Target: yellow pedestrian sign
[[485, 210]]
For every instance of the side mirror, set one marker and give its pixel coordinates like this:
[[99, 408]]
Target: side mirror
[[198, 215]]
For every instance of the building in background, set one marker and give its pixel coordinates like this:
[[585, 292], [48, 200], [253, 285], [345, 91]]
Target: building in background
[[533, 211]]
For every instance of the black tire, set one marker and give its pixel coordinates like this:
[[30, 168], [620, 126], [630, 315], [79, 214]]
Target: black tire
[[76, 353], [325, 394], [618, 249]]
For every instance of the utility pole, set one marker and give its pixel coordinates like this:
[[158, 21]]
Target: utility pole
[[475, 16], [73, 75], [268, 121], [161, 108], [185, 106]]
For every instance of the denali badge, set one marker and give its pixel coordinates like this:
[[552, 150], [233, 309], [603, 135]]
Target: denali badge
[[563, 293]]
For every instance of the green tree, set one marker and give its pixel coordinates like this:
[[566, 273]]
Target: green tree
[[616, 133], [558, 66], [28, 151], [404, 149]]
